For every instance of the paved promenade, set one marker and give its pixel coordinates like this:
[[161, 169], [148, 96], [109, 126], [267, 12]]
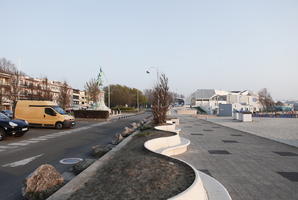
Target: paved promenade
[[250, 167], [284, 130]]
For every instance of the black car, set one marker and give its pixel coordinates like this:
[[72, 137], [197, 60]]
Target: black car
[[10, 127]]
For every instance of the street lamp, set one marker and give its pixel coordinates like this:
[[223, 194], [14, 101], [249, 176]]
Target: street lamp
[[157, 73]]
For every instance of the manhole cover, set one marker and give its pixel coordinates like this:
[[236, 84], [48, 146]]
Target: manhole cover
[[207, 130], [70, 161]]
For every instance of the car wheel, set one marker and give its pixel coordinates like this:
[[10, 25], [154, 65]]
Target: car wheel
[[59, 125], [2, 134]]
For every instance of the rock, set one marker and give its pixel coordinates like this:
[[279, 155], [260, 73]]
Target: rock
[[81, 166], [117, 139], [99, 150], [127, 131], [43, 182], [134, 125]]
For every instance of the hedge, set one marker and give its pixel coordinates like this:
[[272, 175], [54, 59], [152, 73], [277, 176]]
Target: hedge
[[94, 114]]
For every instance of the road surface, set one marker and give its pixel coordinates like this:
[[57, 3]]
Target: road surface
[[21, 156]]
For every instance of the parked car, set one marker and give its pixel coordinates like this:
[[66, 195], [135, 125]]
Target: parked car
[[8, 113], [44, 114], [9, 127]]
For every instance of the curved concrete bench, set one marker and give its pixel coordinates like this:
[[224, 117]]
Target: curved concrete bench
[[204, 187], [168, 127], [168, 146]]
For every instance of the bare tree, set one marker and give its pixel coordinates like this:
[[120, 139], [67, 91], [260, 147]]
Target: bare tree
[[92, 90], [161, 100], [7, 66], [64, 96], [46, 93], [266, 100], [15, 88]]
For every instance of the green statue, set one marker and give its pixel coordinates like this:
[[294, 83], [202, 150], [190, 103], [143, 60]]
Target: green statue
[[99, 80]]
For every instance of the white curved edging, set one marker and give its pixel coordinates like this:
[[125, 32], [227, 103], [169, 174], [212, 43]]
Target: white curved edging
[[204, 187], [174, 145]]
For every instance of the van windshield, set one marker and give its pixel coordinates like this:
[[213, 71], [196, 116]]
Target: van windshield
[[59, 110]]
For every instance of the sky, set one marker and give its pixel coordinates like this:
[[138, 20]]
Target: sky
[[220, 44]]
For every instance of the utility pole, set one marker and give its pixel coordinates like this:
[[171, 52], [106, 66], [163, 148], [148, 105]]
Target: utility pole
[[109, 96], [138, 106]]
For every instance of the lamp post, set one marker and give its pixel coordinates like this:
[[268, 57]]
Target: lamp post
[[157, 73], [138, 105]]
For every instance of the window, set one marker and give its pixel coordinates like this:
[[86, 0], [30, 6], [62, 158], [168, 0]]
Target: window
[[50, 111]]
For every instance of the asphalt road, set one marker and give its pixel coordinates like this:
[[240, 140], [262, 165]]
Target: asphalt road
[[21, 156]]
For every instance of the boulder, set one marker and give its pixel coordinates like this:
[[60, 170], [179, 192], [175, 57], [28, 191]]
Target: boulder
[[81, 166], [99, 150], [134, 125], [127, 131], [117, 139], [43, 182]]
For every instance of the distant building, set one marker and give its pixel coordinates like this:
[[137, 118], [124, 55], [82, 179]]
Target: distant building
[[79, 100], [208, 100], [31, 88]]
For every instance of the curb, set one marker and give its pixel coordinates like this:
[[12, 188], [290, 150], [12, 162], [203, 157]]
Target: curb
[[79, 181]]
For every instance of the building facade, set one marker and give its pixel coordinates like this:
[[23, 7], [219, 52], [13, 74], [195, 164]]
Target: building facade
[[34, 89], [208, 100]]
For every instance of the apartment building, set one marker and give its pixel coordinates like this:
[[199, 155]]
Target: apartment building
[[31, 88]]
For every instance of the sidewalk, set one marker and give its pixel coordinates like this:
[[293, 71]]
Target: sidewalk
[[283, 130], [250, 167]]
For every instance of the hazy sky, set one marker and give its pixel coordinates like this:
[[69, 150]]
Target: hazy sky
[[221, 44]]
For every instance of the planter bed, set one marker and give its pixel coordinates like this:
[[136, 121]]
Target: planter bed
[[136, 173]]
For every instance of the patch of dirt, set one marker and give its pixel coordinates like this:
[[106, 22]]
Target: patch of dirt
[[137, 174]]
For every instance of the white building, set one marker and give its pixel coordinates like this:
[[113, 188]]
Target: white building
[[208, 100]]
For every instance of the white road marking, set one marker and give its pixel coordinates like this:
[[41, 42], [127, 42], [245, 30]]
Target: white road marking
[[39, 139], [18, 144], [2, 150], [7, 147], [22, 162], [29, 141]]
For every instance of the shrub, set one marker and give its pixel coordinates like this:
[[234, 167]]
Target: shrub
[[95, 114]]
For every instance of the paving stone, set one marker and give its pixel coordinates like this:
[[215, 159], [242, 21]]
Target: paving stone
[[218, 152], [197, 134], [238, 135], [284, 153], [250, 172], [230, 141], [292, 176]]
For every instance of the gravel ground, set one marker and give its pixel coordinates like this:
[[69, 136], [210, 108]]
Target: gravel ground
[[135, 173], [284, 130]]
